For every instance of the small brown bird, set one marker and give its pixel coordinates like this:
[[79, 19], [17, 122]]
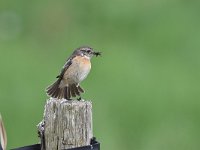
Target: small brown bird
[[74, 71]]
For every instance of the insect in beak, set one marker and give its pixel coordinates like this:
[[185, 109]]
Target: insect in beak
[[97, 53]]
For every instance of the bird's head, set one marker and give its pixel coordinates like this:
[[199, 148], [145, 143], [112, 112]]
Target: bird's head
[[87, 51]]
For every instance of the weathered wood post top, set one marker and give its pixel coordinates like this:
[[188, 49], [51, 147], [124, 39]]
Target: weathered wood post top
[[66, 124]]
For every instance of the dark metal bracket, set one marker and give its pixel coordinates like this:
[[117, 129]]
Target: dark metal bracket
[[95, 145]]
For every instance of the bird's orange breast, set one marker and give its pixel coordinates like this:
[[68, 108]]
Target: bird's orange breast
[[82, 61], [78, 70]]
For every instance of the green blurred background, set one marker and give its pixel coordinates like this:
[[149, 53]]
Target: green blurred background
[[145, 87]]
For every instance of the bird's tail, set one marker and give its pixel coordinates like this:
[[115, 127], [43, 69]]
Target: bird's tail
[[54, 90], [64, 92]]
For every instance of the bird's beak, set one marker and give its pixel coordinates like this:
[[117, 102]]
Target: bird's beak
[[97, 53]]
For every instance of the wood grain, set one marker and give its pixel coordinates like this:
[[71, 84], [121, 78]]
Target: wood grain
[[66, 124]]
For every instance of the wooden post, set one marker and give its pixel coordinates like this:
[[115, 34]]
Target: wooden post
[[66, 124]]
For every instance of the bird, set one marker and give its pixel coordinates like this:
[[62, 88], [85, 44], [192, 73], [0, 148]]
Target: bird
[[74, 71]]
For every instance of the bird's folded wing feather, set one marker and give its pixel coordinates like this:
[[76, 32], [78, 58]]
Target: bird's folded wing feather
[[65, 67]]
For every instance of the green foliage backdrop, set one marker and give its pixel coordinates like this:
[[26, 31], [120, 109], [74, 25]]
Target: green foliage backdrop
[[145, 87]]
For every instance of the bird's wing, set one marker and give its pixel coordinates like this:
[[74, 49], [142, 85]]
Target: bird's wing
[[65, 67]]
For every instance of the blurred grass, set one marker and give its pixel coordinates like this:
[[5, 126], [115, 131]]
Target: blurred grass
[[145, 87]]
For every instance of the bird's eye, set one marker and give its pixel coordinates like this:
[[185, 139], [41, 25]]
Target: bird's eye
[[88, 51]]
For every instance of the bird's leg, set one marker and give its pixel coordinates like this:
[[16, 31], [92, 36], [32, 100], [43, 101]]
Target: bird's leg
[[79, 98]]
